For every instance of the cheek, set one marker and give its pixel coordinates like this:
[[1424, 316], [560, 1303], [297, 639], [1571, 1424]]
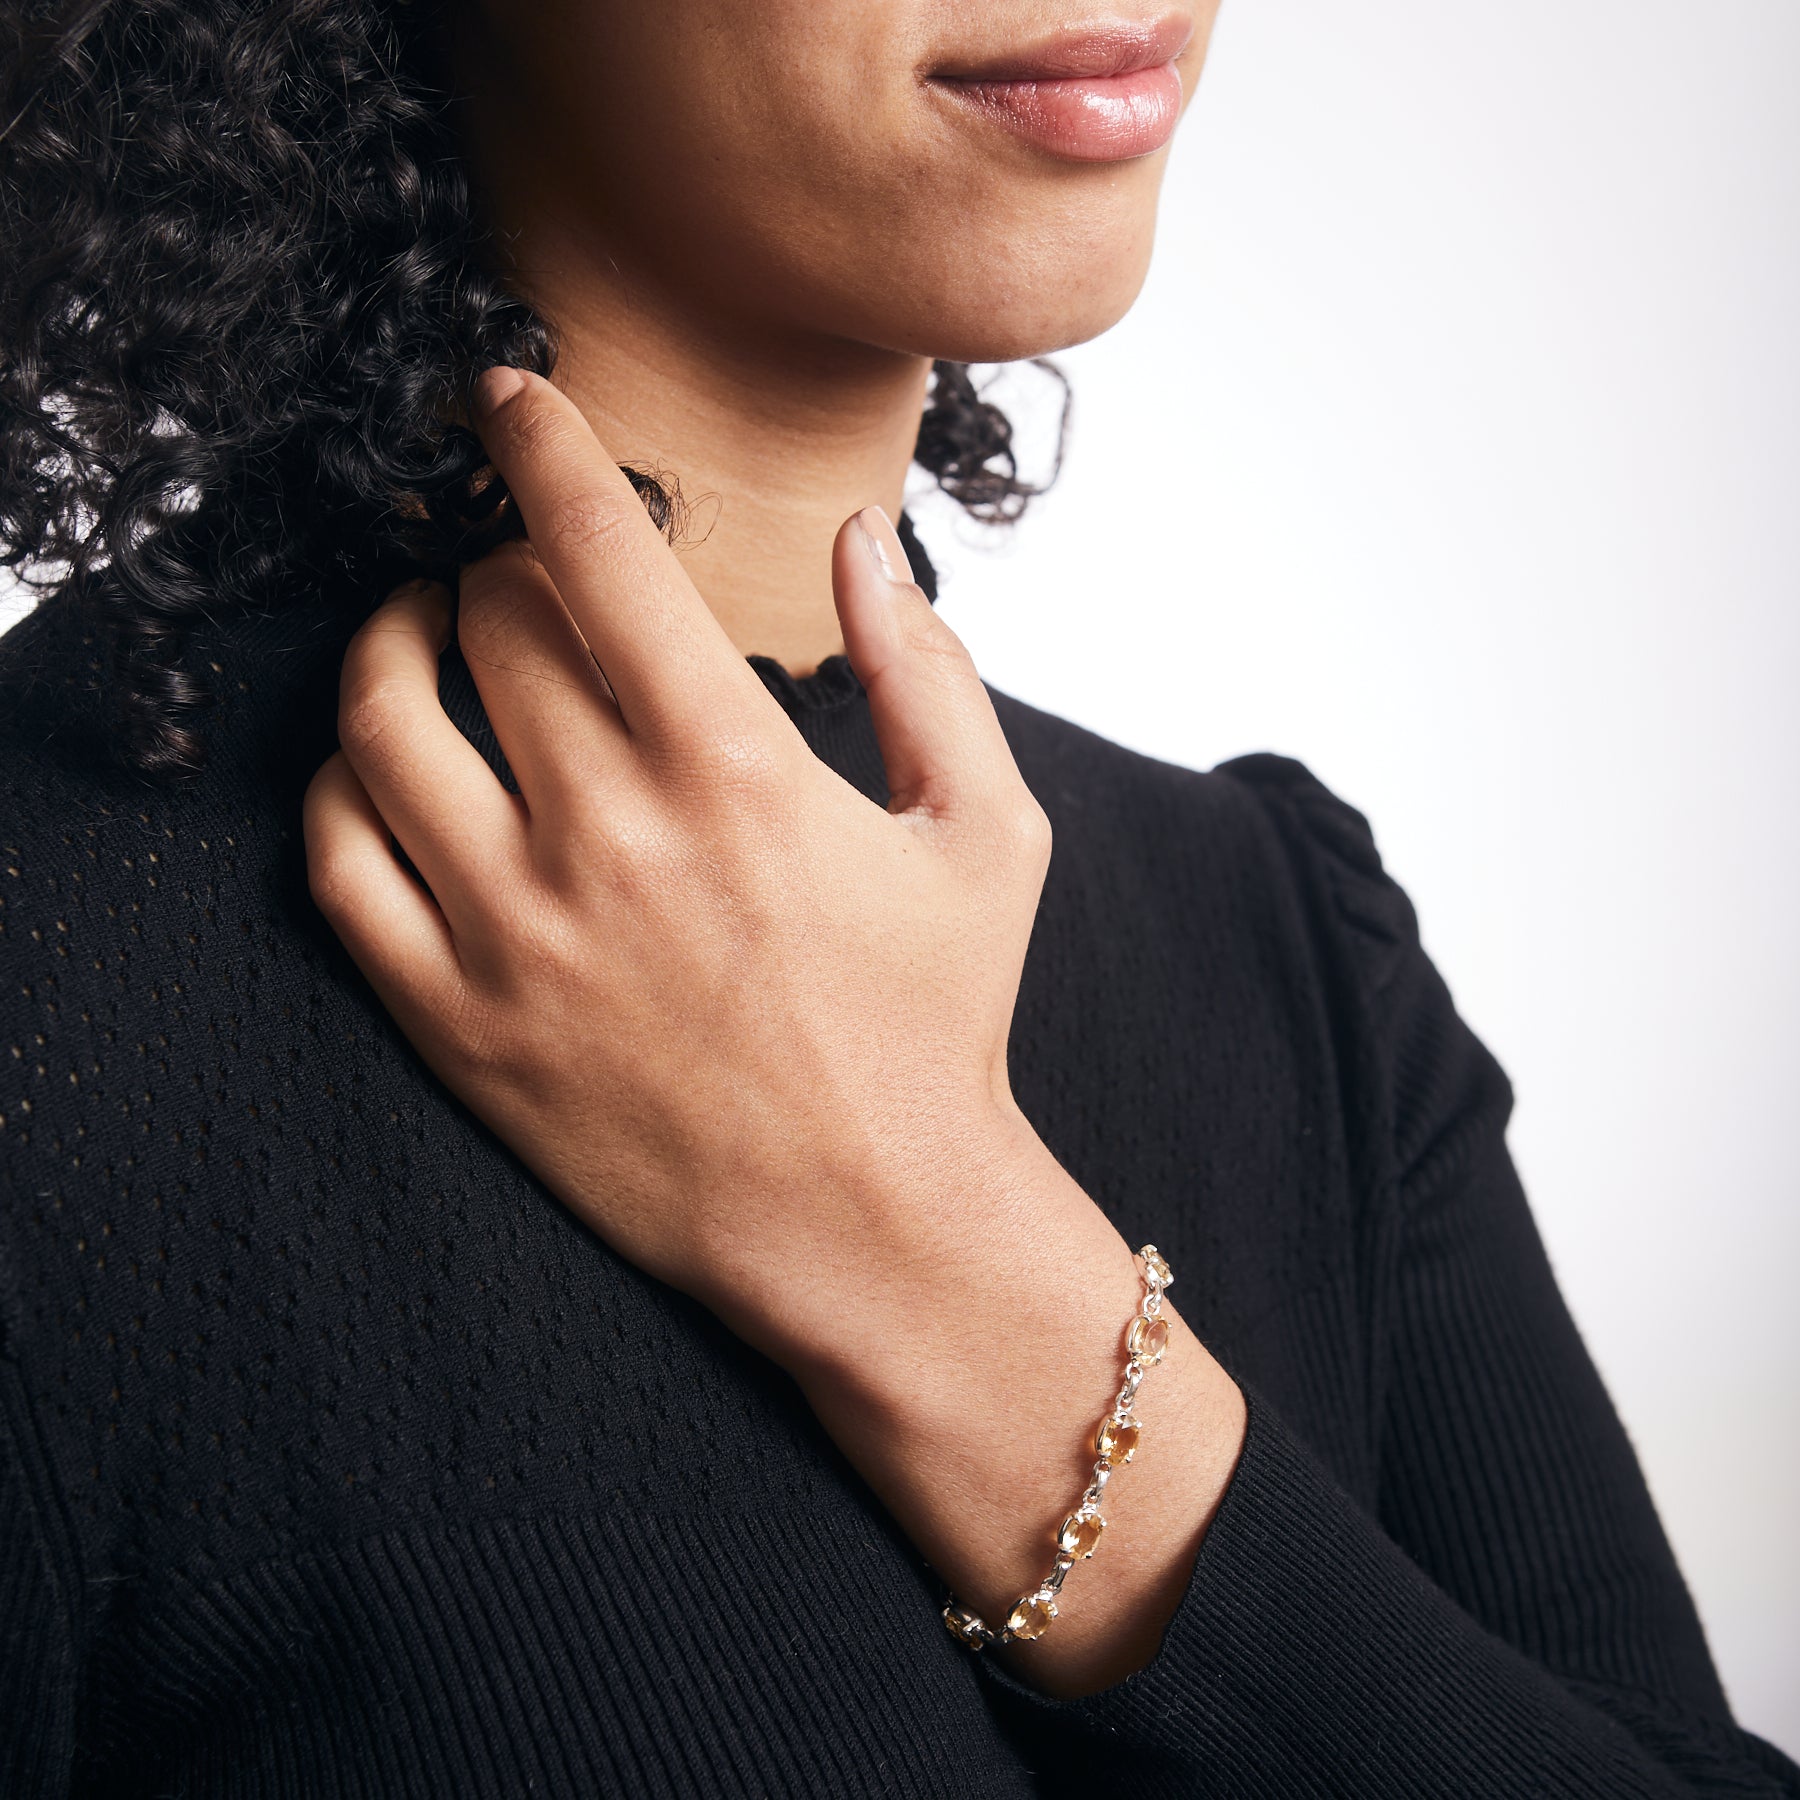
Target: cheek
[[994, 262], [889, 228], [786, 162], [938, 249], [742, 144]]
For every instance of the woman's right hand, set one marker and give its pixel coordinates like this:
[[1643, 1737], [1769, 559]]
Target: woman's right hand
[[751, 1027]]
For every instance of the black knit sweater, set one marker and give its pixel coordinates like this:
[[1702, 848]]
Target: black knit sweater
[[337, 1459]]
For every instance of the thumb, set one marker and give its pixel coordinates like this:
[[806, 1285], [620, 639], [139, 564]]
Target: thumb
[[940, 742]]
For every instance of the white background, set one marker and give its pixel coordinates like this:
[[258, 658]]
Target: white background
[[1455, 449]]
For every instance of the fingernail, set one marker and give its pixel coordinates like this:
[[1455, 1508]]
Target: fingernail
[[884, 545], [495, 386]]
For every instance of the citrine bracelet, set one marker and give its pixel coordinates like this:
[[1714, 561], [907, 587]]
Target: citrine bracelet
[[1116, 1443]]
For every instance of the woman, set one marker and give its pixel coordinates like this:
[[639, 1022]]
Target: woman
[[594, 1334]]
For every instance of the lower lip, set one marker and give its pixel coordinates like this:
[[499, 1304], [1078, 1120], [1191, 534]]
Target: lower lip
[[1089, 118]]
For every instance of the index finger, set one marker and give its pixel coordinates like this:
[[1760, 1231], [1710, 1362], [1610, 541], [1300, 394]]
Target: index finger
[[668, 660]]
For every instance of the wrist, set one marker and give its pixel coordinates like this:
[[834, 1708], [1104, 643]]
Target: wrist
[[979, 1365], [964, 1369], [965, 1273]]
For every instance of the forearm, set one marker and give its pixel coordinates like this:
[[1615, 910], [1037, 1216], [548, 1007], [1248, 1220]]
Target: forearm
[[752, 1028], [965, 1380]]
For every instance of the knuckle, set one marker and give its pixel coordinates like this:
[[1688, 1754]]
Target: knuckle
[[371, 713], [484, 1047], [507, 563], [330, 878], [623, 849], [315, 804], [585, 525], [473, 1018], [329, 881], [468, 1022], [735, 765], [528, 423], [930, 635], [493, 619], [643, 864], [940, 658], [1027, 827], [364, 656], [727, 759]]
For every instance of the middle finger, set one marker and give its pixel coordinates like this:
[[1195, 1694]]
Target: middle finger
[[439, 798], [540, 687]]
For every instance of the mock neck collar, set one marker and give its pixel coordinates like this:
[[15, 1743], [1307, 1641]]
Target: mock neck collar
[[272, 675], [834, 683]]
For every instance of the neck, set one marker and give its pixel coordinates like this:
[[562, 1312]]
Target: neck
[[773, 446], [774, 436]]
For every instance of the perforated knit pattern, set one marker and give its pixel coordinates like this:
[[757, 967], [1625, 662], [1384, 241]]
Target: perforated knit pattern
[[337, 1460]]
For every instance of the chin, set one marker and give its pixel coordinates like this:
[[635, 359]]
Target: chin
[[976, 325], [985, 336], [997, 302]]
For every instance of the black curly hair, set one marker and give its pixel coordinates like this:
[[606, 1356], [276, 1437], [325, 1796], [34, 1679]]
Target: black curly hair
[[243, 296]]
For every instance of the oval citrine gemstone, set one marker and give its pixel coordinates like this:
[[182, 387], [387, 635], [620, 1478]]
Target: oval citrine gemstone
[[1148, 1340], [1080, 1534], [1031, 1617], [1118, 1440]]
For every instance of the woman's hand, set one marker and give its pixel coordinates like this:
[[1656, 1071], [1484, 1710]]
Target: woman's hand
[[732, 1013], [749, 1026]]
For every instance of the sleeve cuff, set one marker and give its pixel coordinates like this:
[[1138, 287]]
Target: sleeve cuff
[[1309, 1655]]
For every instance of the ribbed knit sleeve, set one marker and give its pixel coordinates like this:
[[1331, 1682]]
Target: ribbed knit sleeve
[[37, 1686], [1507, 1619]]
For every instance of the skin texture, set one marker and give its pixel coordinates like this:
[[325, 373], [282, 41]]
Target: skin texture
[[755, 222], [783, 1088]]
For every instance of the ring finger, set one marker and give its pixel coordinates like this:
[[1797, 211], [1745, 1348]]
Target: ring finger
[[543, 693], [429, 783]]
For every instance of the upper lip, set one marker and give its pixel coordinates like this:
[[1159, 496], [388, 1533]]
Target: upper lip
[[1088, 51]]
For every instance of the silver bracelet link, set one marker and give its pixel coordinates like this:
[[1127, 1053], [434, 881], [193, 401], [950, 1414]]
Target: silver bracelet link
[[1116, 1443]]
